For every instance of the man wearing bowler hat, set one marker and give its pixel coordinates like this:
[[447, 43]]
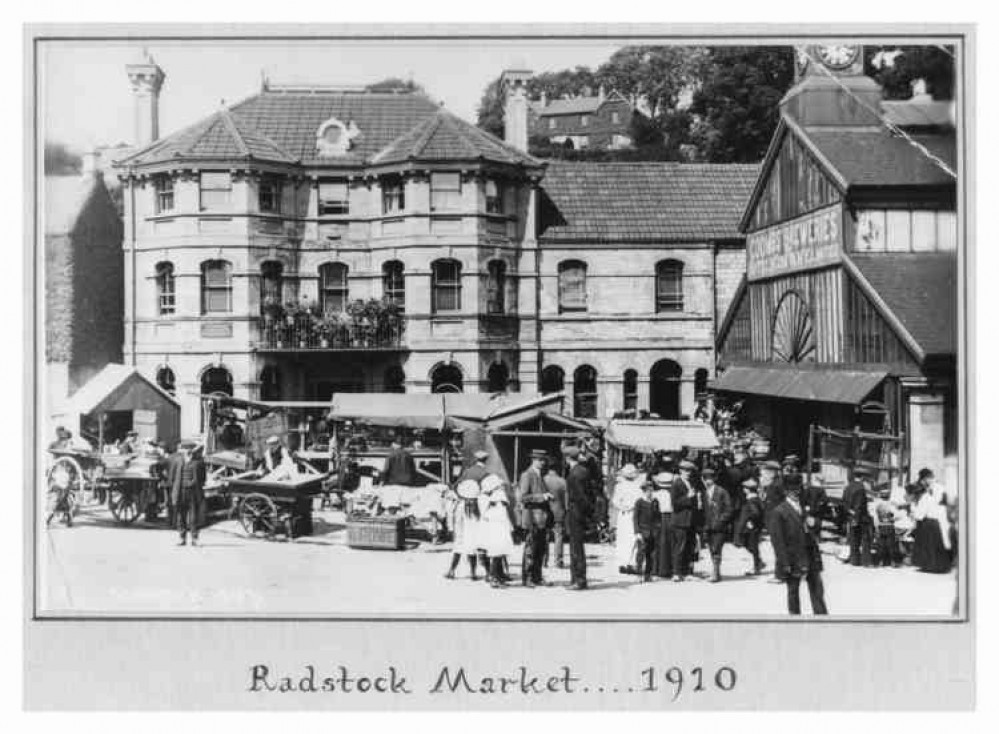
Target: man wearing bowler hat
[[686, 501], [859, 524], [796, 553], [533, 513], [186, 479]]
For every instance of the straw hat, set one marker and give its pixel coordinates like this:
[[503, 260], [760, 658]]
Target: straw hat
[[629, 471], [468, 489]]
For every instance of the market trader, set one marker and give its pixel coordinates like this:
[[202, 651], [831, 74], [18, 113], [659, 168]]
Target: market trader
[[533, 513], [400, 466], [186, 479]]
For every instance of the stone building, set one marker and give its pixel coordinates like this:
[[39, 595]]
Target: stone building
[[83, 281], [307, 241], [592, 122], [848, 316]]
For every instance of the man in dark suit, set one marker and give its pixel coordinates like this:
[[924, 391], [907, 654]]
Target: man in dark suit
[[577, 510], [646, 517], [556, 487], [400, 467], [859, 524], [186, 479], [718, 514], [813, 502], [796, 553], [734, 474], [686, 507], [533, 513]]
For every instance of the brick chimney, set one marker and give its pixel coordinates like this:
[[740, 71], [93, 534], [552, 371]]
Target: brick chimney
[[513, 87], [147, 80]]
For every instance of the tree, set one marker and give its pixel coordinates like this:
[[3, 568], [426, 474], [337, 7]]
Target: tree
[[735, 108], [653, 77], [490, 112], [896, 67], [60, 160]]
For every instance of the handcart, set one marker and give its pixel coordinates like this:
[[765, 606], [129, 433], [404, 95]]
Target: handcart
[[269, 508]]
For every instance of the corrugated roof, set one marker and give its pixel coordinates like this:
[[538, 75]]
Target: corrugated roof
[[920, 289], [826, 386], [644, 201], [655, 435], [875, 157], [447, 137], [65, 198]]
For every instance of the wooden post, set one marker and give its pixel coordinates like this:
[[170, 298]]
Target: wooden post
[[516, 459], [100, 432]]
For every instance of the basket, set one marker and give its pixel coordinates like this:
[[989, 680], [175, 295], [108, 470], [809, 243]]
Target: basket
[[388, 533]]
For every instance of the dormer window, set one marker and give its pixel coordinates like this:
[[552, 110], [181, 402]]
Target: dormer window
[[334, 138]]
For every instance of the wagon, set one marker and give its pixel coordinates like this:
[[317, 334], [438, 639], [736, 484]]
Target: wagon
[[266, 508], [133, 484]]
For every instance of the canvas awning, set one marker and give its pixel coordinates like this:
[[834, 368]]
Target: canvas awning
[[827, 386], [653, 435], [431, 411]]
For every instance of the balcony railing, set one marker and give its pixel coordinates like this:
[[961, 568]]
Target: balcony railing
[[283, 336]]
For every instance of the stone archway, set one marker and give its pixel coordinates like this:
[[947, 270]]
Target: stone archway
[[664, 389]]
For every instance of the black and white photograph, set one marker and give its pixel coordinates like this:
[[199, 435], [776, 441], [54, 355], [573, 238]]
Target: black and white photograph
[[472, 327]]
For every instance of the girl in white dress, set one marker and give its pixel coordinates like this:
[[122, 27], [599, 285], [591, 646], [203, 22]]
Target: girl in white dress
[[627, 491], [497, 532]]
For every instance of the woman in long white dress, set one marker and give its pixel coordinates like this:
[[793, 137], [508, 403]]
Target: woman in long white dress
[[627, 492], [497, 531], [465, 519]]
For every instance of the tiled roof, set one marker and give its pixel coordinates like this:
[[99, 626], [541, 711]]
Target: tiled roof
[[575, 106], [920, 289], [874, 157], [224, 135], [447, 137], [644, 201]]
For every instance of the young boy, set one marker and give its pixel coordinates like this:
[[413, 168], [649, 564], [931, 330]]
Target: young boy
[[750, 524], [646, 519]]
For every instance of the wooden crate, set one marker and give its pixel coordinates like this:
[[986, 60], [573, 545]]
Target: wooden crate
[[388, 533]]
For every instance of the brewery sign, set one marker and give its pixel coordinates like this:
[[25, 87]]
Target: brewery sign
[[812, 241]]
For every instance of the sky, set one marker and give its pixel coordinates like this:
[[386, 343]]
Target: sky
[[85, 98]]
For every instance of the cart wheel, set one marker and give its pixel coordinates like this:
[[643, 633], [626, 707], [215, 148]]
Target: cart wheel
[[124, 505], [66, 476], [258, 515]]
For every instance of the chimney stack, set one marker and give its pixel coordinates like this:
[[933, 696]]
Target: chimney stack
[[513, 87], [147, 80], [601, 94], [91, 164]]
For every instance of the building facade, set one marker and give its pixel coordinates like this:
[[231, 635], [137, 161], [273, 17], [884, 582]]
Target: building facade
[[597, 122], [847, 317], [308, 241]]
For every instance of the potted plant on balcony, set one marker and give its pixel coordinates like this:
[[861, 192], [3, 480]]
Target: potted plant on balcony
[[324, 328], [390, 320]]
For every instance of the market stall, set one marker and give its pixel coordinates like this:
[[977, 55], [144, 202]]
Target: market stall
[[639, 442]]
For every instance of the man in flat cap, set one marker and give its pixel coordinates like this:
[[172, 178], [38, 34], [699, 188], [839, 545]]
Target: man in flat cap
[[186, 479], [717, 517], [686, 501], [578, 508], [859, 523], [533, 513]]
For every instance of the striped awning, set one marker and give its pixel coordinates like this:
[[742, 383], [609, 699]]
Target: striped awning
[[822, 385]]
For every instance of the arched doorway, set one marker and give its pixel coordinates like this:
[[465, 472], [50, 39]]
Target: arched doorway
[[499, 377], [664, 389], [446, 378], [584, 392], [552, 379]]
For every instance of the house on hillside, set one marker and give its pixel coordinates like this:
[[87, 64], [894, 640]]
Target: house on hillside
[[592, 122]]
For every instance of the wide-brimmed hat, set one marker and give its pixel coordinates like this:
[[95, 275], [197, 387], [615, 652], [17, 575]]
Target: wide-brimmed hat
[[925, 472], [707, 473], [663, 479], [481, 455], [468, 489], [791, 459], [629, 471], [491, 484], [271, 440], [771, 465]]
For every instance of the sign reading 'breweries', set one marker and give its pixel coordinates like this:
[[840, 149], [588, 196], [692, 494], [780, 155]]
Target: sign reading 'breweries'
[[811, 241]]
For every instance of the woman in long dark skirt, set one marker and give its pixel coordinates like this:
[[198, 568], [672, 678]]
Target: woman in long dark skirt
[[932, 550]]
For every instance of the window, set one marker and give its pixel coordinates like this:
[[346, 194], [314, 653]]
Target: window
[[394, 283], [552, 379], [216, 191], [552, 123], [584, 392], [446, 378], [496, 287], [271, 284], [445, 191], [584, 120], [571, 286], [269, 195], [164, 193], [615, 117], [669, 286], [446, 285], [166, 379], [214, 381], [216, 287], [166, 294], [270, 383], [393, 195], [332, 287], [333, 198], [498, 376], [630, 389], [494, 197]]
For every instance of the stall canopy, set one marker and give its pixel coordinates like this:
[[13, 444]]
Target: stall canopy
[[434, 411], [827, 386], [647, 436]]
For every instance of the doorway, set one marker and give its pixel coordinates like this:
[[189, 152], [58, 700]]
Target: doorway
[[664, 389]]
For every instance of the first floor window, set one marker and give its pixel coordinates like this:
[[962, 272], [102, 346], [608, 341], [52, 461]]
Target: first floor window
[[496, 287], [269, 195], [494, 197], [394, 283], [216, 287], [164, 193], [572, 286], [446, 285], [445, 191], [630, 389], [216, 190], [585, 392], [393, 195], [333, 198], [333, 287], [166, 294], [271, 284], [669, 286]]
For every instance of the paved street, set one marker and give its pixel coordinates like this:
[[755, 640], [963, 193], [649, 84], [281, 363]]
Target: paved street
[[99, 567]]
